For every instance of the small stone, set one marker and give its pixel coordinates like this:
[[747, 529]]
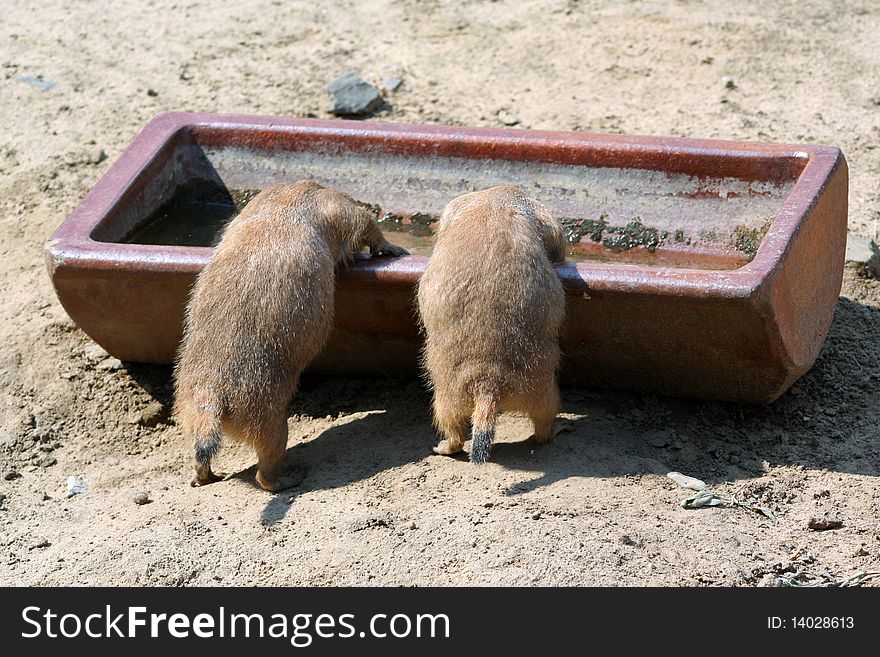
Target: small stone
[[10, 475], [152, 414], [97, 155], [659, 438], [40, 543], [822, 523], [536, 516], [110, 364], [142, 497], [864, 254], [152, 93], [2, 499], [507, 118], [353, 97], [76, 485], [770, 581], [46, 461], [95, 353], [728, 82], [393, 84]]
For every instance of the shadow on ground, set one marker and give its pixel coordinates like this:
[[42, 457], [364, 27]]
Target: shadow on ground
[[827, 420]]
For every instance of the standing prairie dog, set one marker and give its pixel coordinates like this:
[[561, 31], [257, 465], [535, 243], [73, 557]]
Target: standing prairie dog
[[491, 305], [259, 312]]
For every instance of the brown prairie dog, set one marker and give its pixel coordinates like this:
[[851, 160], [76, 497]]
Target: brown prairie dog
[[491, 306], [259, 312]]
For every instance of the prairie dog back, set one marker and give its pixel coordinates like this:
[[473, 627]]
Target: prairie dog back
[[259, 313], [492, 305]]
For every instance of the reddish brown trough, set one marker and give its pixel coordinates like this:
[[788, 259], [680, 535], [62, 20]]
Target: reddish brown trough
[[704, 268]]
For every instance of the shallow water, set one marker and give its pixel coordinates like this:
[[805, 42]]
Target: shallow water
[[198, 216]]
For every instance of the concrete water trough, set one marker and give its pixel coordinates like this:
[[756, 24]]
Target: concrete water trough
[[697, 268]]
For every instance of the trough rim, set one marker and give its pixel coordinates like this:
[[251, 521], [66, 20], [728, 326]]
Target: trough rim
[[71, 246]]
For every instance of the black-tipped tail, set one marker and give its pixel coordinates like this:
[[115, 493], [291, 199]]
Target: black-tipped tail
[[482, 445], [206, 447], [483, 422]]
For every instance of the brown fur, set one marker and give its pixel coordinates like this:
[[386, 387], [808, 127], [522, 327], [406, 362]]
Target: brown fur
[[491, 305], [259, 312]]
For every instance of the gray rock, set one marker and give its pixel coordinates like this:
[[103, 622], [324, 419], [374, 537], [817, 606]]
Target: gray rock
[[770, 581], [95, 353], [728, 82], [97, 155], [110, 364], [393, 84], [863, 252], [142, 497], [10, 475], [353, 97], [659, 438], [46, 461], [152, 414], [76, 485], [507, 118]]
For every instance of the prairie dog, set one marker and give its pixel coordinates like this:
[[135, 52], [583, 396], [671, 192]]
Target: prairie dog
[[491, 306], [259, 312]]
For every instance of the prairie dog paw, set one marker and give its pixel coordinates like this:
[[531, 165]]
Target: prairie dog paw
[[387, 248], [447, 448]]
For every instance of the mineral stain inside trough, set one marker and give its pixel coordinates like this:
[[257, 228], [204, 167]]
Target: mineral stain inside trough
[[197, 214]]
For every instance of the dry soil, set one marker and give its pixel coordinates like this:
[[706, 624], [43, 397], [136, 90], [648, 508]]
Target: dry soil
[[375, 506]]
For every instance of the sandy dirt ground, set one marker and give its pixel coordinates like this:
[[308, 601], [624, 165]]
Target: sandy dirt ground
[[375, 506]]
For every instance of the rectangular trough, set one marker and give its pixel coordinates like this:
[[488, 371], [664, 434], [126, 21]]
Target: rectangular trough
[[698, 268]]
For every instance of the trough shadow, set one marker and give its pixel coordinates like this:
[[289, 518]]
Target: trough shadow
[[155, 380], [827, 421]]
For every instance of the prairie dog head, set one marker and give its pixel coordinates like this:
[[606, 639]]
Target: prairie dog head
[[506, 197], [348, 225], [346, 221]]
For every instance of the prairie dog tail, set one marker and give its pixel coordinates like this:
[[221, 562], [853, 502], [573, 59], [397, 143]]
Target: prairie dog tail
[[201, 420], [206, 438], [483, 421]]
